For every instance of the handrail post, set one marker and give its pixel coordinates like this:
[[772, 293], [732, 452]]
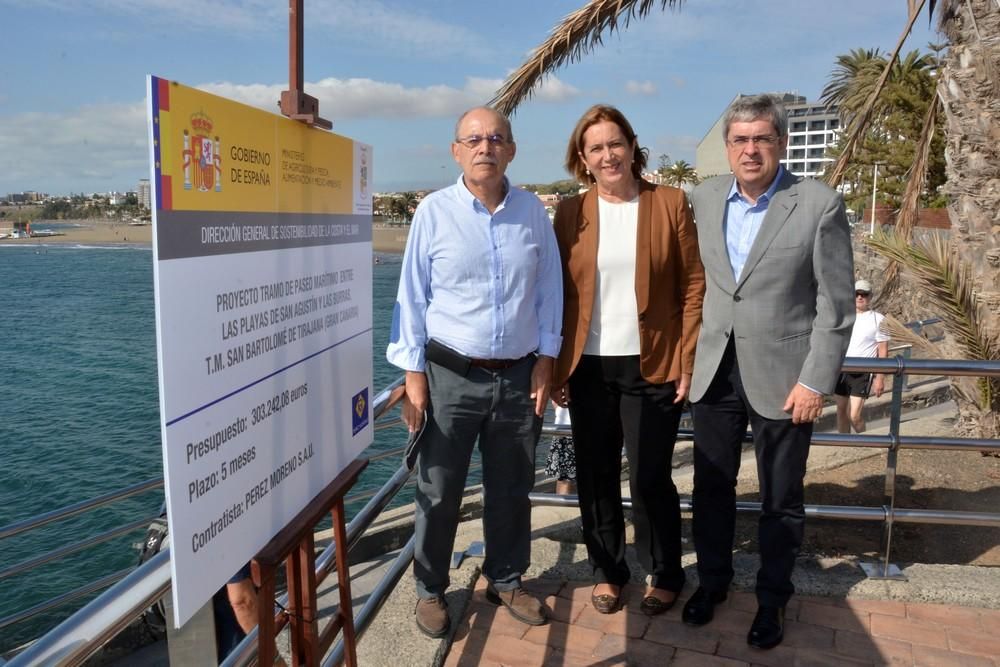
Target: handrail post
[[884, 569]]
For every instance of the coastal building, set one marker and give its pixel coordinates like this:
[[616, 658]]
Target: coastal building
[[143, 193], [26, 197], [653, 177], [812, 128], [549, 199]]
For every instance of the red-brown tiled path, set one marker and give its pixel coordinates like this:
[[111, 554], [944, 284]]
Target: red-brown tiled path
[[818, 631]]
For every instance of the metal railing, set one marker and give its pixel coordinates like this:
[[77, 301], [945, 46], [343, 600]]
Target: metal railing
[[892, 443], [83, 633], [106, 499], [79, 636], [75, 509]]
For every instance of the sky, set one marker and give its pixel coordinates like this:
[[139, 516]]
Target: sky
[[397, 73]]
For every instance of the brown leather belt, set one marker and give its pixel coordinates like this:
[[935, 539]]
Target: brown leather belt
[[496, 364]]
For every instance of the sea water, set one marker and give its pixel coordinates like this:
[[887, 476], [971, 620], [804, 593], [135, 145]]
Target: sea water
[[79, 412]]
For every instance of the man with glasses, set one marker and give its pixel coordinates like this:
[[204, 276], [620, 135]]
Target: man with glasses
[[476, 327], [776, 321], [867, 340]]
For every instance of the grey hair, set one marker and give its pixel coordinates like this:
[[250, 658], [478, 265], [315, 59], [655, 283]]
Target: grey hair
[[748, 108], [503, 119]]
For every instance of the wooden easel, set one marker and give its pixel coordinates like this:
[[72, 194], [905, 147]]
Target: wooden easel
[[295, 545]]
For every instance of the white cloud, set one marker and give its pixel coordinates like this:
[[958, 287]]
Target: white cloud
[[399, 27], [105, 147], [367, 98], [677, 146], [554, 90], [644, 88], [91, 148]]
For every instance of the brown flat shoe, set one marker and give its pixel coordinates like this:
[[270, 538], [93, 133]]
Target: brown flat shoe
[[652, 605], [605, 603]]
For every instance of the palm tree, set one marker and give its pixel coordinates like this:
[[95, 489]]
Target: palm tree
[[967, 86], [895, 126], [681, 172], [855, 71]]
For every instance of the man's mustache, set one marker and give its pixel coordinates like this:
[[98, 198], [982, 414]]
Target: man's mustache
[[485, 160]]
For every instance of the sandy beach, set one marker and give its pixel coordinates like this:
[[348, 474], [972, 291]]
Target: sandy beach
[[89, 232], [385, 238]]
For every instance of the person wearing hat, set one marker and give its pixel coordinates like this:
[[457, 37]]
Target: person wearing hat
[[868, 339]]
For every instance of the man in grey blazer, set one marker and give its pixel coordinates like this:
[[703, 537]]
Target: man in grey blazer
[[776, 322]]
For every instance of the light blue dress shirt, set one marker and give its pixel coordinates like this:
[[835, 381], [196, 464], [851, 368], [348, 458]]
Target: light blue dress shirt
[[486, 285], [743, 221]]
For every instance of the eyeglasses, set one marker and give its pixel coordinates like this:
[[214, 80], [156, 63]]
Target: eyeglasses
[[764, 141], [473, 140], [863, 295]]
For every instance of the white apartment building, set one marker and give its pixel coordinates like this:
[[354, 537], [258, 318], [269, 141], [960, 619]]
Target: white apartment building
[[812, 128]]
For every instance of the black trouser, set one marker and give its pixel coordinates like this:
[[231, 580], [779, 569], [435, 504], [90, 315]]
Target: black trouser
[[610, 402], [720, 422]]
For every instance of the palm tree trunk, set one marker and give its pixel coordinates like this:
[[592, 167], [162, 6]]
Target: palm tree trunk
[[972, 129]]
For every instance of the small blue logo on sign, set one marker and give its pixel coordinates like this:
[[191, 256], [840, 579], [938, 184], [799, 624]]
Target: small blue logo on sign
[[359, 411]]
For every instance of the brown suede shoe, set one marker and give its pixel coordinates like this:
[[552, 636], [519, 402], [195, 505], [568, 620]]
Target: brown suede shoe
[[432, 616], [521, 606]]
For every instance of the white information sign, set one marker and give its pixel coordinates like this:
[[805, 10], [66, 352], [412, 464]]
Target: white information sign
[[263, 275]]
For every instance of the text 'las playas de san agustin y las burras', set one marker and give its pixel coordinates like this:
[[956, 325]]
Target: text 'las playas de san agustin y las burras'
[[259, 320]]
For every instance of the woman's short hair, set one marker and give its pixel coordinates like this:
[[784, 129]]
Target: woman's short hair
[[592, 116], [748, 108]]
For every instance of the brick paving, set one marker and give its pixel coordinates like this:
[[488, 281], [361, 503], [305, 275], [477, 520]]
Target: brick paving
[[818, 631]]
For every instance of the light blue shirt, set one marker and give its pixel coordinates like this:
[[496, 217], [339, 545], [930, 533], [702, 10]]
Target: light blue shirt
[[743, 221], [487, 285]]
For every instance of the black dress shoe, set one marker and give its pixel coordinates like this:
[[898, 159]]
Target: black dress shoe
[[768, 627], [700, 609]]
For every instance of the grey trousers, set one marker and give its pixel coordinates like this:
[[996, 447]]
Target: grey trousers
[[495, 408]]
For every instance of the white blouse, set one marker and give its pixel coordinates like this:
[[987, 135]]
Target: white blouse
[[614, 323]]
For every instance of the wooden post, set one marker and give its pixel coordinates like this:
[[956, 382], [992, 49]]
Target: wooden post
[[295, 545], [294, 102]]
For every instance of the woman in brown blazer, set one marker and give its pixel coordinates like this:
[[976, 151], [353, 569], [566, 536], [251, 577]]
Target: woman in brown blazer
[[633, 286]]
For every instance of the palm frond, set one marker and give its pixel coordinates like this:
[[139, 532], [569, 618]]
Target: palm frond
[[860, 122], [578, 34], [910, 207], [946, 281], [901, 333]]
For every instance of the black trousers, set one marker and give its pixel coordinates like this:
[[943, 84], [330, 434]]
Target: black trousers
[[612, 403], [720, 422]]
